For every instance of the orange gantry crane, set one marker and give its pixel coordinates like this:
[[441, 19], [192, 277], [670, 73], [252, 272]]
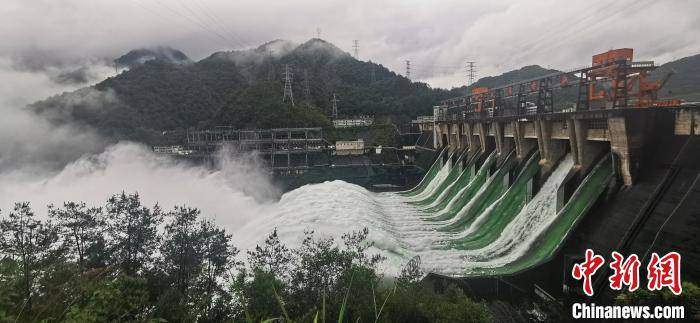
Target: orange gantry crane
[[612, 81]]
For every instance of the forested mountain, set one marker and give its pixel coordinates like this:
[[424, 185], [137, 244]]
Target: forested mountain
[[524, 73], [244, 89], [140, 56], [685, 82]]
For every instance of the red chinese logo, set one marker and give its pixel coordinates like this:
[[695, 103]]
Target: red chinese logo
[[661, 272], [665, 272], [625, 272], [586, 269]]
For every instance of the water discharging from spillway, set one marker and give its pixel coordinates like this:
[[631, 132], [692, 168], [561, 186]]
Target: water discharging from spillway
[[461, 222]]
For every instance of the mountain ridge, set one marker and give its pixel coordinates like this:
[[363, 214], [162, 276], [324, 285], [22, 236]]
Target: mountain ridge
[[243, 88]]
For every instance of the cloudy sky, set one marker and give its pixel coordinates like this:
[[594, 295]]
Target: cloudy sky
[[438, 37]]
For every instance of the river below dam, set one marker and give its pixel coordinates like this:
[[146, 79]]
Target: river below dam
[[459, 221], [480, 217]]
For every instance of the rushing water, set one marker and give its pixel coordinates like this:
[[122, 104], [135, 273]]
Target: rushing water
[[472, 224], [400, 229]]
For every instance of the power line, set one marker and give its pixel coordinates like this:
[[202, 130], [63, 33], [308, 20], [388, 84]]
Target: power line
[[288, 85], [205, 23], [560, 38], [356, 48], [471, 72], [195, 22], [445, 67], [334, 112], [170, 18], [408, 69], [219, 23]]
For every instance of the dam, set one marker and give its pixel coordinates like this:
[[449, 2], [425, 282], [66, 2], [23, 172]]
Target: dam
[[520, 180], [522, 186]]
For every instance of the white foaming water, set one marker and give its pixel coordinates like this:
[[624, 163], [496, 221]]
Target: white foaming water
[[434, 184], [449, 187], [232, 195], [458, 196], [462, 212], [334, 208], [521, 232], [531, 221], [445, 191], [483, 216], [425, 178], [232, 198]]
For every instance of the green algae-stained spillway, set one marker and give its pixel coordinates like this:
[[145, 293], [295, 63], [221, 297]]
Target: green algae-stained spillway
[[487, 226], [429, 176], [476, 214]]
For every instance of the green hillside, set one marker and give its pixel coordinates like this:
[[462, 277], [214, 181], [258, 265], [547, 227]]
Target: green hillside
[[685, 82], [244, 89]]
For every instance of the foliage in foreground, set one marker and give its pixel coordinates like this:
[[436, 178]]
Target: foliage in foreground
[[128, 262], [690, 298]]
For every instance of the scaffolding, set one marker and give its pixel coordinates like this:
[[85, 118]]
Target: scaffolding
[[284, 148]]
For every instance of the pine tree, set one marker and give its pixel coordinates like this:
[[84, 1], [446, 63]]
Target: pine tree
[[133, 235], [30, 242]]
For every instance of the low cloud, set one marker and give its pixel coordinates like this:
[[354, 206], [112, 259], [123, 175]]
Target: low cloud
[[30, 141], [233, 194], [46, 163], [438, 38]]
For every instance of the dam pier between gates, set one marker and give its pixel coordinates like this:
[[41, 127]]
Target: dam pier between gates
[[586, 135]]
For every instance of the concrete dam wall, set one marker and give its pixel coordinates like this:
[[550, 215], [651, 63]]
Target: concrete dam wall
[[536, 199]]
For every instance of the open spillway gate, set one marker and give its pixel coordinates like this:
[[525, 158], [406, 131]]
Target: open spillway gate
[[624, 143]]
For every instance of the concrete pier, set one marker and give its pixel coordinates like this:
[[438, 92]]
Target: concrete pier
[[584, 134]]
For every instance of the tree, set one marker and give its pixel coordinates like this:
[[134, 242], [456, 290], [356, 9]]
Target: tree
[[82, 231], [182, 248], [123, 299], [218, 257], [196, 255], [32, 243], [133, 232], [272, 257]]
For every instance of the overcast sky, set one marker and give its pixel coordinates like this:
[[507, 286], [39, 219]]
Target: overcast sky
[[438, 37]]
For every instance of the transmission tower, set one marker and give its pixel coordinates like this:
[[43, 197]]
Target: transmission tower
[[335, 100], [318, 32], [471, 72], [307, 89], [372, 76], [356, 48], [408, 69], [288, 85]]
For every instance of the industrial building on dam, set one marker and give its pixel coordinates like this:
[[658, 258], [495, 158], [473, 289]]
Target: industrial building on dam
[[647, 201]]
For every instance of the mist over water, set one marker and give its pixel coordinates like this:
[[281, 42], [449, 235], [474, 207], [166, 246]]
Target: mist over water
[[132, 167], [44, 163]]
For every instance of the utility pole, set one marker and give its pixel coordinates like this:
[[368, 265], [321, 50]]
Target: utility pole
[[471, 72], [335, 100], [408, 69], [307, 89], [356, 48], [288, 85]]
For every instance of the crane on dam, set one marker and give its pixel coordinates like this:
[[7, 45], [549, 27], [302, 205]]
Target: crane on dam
[[612, 81]]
